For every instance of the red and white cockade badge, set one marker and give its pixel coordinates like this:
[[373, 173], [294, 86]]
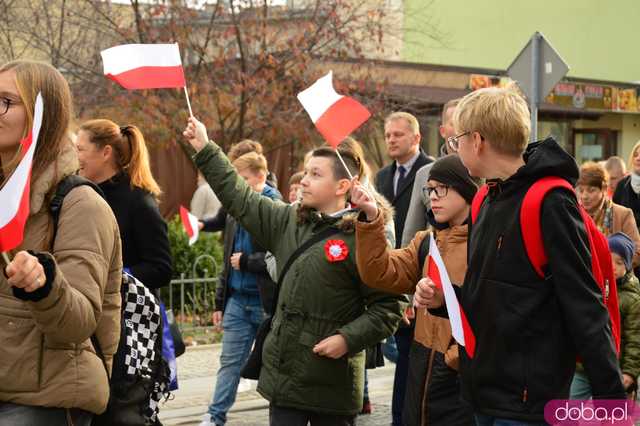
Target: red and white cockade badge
[[336, 250]]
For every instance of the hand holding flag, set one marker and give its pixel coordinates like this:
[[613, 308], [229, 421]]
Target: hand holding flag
[[190, 224], [14, 195], [430, 291]]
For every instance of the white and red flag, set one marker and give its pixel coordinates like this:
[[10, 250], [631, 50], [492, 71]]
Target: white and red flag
[[14, 196], [144, 66], [190, 223], [335, 116], [460, 328]]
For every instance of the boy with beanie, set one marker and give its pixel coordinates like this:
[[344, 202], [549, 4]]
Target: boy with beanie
[[433, 357], [622, 250], [529, 329]]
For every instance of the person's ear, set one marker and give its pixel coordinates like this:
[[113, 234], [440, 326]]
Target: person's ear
[[478, 143], [442, 132], [107, 152], [344, 185]]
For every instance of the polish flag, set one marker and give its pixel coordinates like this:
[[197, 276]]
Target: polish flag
[[14, 196], [144, 66], [334, 115], [460, 328], [190, 223]]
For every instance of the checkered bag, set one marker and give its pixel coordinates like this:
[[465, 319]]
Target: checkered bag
[[141, 316]]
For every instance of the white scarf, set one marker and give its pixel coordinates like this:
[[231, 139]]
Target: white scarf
[[635, 183]]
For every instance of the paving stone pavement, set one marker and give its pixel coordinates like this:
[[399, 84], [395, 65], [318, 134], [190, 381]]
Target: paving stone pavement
[[196, 373]]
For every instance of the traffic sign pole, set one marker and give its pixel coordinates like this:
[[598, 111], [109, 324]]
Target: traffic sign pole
[[535, 85]]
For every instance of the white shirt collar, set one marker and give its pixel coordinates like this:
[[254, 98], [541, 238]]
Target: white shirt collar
[[409, 164]]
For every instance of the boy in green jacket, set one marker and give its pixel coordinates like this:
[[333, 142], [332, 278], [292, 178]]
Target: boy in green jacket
[[313, 357]]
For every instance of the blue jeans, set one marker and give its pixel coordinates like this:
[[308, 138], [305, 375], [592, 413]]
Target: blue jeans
[[242, 317], [482, 420], [580, 387], [26, 415]]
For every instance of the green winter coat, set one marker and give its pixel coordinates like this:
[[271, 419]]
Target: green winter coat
[[318, 298], [629, 301]]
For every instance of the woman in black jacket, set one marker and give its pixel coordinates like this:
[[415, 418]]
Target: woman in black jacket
[[116, 158]]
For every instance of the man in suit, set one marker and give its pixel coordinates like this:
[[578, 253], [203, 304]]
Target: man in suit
[[395, 182]]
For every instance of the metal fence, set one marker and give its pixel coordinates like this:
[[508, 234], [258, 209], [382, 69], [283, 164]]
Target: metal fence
[[192, 299]]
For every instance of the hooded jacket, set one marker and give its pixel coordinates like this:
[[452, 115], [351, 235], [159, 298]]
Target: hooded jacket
[[528, 330]]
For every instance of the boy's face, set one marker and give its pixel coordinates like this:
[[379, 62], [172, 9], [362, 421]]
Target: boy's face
[[255, 180], [619, 269], [449, 206], [320, 188], [294, 188]]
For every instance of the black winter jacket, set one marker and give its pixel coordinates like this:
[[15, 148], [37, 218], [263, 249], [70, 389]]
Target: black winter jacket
[[145, 244], [528, 330]]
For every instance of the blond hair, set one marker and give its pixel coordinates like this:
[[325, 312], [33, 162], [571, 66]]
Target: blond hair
[[500, 115], [252, 161], [633, 151], [409, 118], [130, 151]]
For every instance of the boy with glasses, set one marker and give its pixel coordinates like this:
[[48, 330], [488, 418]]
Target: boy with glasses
[[528, 330]]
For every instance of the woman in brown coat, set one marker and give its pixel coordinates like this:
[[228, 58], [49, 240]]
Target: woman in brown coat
[[433, 388], [55, 293]]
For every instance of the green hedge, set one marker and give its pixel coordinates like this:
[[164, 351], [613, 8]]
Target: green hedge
[[184, 255]]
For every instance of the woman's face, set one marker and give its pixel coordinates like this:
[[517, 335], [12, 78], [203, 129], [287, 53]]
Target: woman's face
[[590, 196], [94, 161], [635, 162], [14, 120]]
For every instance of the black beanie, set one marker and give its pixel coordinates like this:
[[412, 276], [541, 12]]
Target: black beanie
[[449, 170]]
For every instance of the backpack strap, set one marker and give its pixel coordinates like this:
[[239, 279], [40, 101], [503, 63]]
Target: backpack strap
[[530, 214], [478, 199], [423, 251], [64, 187]]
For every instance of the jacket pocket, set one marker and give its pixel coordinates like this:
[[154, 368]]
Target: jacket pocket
[[313, 369], [20, 355]]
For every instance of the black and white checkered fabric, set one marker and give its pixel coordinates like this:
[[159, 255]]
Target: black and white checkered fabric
[[141, 316]]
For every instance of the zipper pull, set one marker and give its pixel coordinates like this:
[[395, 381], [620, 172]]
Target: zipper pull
[[525, 394], [499, 242], [606, 290]]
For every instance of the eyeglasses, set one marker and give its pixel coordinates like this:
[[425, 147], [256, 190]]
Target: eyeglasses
[[454, 141], [440, 190], [5, 104]]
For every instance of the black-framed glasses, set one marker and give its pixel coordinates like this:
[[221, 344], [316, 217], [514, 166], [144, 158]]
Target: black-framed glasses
[[5, 104], [440, 190], [454, 141]]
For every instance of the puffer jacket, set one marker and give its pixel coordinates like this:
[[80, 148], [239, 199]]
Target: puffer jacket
[[47, 358], [320, 296], [629, 302]]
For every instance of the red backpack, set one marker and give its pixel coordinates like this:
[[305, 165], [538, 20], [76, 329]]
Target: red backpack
[[601, 262]]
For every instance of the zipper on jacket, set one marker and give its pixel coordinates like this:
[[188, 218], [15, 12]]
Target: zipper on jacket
[[499, 245], [525, 394], [606, 291]]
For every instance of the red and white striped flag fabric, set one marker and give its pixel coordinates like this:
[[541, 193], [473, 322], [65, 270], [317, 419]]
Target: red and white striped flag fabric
[[460, 328], [144, 66], [14, 196], [335, 116], [190, 223]]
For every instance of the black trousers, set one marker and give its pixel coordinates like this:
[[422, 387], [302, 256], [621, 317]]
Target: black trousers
[[404, 337], [442, 404], [283, 416]]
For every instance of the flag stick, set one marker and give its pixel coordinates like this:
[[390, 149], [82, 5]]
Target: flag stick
[[6, 259], [186, 93], [343, 163]]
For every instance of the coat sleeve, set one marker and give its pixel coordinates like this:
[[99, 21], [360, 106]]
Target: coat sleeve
[[416, 214], [264, 218], [380, 267], [254, 262], [629, 227], [216, 223], [630, 351], [83, 259], [379, 321], [152, 242], [579, 296]]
